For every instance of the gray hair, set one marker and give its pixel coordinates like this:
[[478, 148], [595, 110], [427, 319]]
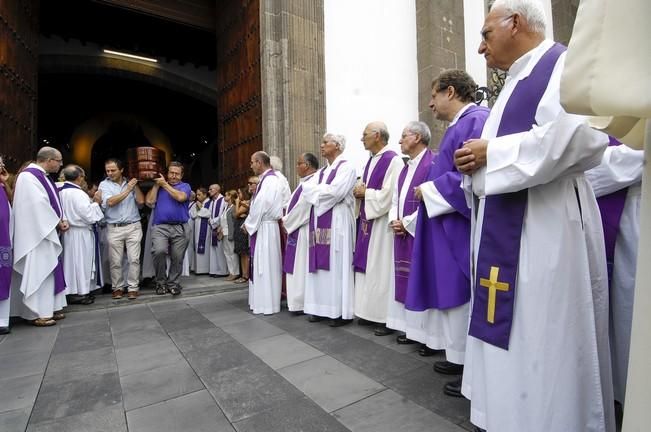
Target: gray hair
[[420, 128], [276, 163], [47, 153], [381, 129], [531, 10], [72, 172], [340, 140], [311, 160]]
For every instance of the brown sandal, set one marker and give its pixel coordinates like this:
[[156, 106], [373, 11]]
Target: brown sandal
[[58, 316], [241, 280], [43, 322]]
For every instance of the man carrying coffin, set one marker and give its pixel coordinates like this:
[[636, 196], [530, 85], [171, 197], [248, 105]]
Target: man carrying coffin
[[218, 264], [537, 355], [38, 219], [373, 254], [439, 283], [265, 276], [329, 289], [296, 222], [79, 264]]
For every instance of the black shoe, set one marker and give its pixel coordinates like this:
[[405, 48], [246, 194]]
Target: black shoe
[[447, 368], [453, 388], [426, 351], [175, 290], [5, 330], [404, 340], [363, 322], [383, 330], [297, 313], [314, 318], [478, 429], [339, 322]]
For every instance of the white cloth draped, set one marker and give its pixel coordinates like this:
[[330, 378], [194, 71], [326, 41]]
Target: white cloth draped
[[266, 279], [79, 266], [556, 374], [201, 261], [331, 293], [372, 288]]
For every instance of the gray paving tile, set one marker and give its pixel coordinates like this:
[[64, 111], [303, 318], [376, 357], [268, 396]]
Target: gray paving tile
[[251, 330], [140, 358], [84, 318], [105, 420], [234, 296], [158, 385], [174, 303], [148, 323], [282, 350], [15, 420], [94, 336], [29, 339], [387, 411], [228, 316], [19, 393], [425, 387], [23, 364], [211, 305], [75, 397], [196, 412], [204, 340], [181, 319], [71, 366], [140, 337], [299, 415], [330, 383]]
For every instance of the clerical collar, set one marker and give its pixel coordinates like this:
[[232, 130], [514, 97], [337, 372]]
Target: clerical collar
[[37, 166], [72, 184], [520, 65], [385, 148], [416, 160], [306, 178], [266, 171], [460, 113]]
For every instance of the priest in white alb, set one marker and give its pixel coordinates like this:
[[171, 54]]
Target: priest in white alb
[[38, 220], [218, 264], [79, 265], [262, 225], [374, 242], [296, 222], [537, 356], [200, 218]]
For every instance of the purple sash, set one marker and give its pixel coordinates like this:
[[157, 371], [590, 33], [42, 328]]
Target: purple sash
[[218, 205], [59, 280], [319, 241], [403, 244], [254, 236], [6, 255], [611, 207], [499, 250], [203, 232], [365, 226], [292, 239]]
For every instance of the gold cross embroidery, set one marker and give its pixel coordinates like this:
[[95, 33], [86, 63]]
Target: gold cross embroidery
[[493, 286]]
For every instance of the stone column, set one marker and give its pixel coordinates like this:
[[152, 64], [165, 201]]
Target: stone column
[[293, 79], [563, 16]]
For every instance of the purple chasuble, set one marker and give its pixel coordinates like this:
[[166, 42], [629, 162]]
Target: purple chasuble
[[499, 247], [254, 236], [59, 280], [319, 240], [403, 244], [292, 239], [440, 269], [203, 232], [365, 226], [611, 207], [214, 240], [6, 255]]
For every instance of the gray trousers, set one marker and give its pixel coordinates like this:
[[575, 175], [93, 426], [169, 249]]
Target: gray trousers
[[169, 240]]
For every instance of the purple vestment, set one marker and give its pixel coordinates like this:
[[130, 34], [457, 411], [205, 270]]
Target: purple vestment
[[365, 226], [6, 255], [203, 232], [254, 236], [214, 240], [403, 244], [292, 239], [59, 280], [440, 272], [499, 248]]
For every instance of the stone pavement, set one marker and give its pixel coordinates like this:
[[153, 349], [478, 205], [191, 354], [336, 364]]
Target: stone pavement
[[202, 362]]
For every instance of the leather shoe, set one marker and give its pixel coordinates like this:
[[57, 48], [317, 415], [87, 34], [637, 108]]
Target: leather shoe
[[117, 294], [339, 322], [314, 318], [383, 330], [297, 313], [478, 429], [404, 340], [4, 330], [447, 368], [363, 322], [132, 295], [426, 351], [453, 388]]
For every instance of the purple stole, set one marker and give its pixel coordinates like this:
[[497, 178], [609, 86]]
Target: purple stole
[[611, 207], [440, 268], [499, 249], [254, 236], [319, 240], [6, 255], [214, 240], [59, 280], [364, 226], [292, 239], [403, 244], [203, 232]]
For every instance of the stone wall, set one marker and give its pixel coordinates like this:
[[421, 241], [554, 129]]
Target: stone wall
[[563, 16]]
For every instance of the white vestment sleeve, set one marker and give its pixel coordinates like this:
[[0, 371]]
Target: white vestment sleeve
[[377, 202], [89, 212], [267, 203], [298, 216], [409, 222], [620, 167], [435, 204]]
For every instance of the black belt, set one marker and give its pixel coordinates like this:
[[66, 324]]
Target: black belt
[[121, 224]]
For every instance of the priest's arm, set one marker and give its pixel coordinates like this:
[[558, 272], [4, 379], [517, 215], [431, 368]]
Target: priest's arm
[[620, 167], [267, 205], [298, 216], [326, 196]]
